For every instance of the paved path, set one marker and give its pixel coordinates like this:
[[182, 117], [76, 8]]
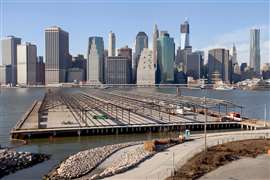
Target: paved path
[[161, 165], [243, 169]]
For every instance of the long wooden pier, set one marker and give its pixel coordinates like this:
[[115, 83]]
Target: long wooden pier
[[100, 112]]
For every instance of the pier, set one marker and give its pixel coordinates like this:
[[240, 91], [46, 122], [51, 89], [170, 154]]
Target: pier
[[109, 111]]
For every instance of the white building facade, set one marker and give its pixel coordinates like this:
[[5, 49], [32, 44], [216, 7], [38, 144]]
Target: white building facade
[[146, 69], [95, 63], [26, 59], [111, 48]]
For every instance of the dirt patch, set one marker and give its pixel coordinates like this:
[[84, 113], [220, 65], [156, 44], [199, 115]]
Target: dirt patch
[[220, 155]]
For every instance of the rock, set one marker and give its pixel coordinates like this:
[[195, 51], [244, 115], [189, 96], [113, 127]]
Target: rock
[[11, 161]]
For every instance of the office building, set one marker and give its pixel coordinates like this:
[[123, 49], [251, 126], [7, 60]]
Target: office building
[[118, 70], [26, 64], [95, 62], [140, 43], [184, 30], [219, 63], [111, 47], [146, 71], [266, 71], [125, 52], [194, 65], [80, 62], [243, 66], [5, 75], [40, 71], [234, 55], [9, 56], [166, 49], [155, 38], [255, 58], [75, 75], [56, 54]]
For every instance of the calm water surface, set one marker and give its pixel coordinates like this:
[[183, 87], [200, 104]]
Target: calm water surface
[[14, 102]]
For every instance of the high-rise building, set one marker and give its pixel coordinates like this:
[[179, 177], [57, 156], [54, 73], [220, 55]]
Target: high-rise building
[[146, 71], [255, 57], [118, 70], [243, 66], [26, 64], [266, 71], [184, 29], [219, 63], [140, 43], [166, 56], [194, 65], [56, 54], [9, 56], [155, 38], [234, 55], [40, 71], [5, 74], [80, 62], [111, 48], [95, 63], [125, 52]]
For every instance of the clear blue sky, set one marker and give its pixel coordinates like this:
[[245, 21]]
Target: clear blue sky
[[210, 21]]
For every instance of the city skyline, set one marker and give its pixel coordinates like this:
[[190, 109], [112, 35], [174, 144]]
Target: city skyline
[[236, 31]]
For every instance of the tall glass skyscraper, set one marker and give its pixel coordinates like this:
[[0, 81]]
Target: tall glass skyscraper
[[140, 43], [166, 55], [255, 58], [56, 54], [95, 63], [184, 29]]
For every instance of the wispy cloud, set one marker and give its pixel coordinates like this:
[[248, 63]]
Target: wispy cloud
[[241, 39]]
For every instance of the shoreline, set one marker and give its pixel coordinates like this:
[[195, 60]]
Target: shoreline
[[12, 161], [65, 169]]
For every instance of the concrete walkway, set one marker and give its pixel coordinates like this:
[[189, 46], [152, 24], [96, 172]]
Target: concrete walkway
[[243, 169], [162, 164]]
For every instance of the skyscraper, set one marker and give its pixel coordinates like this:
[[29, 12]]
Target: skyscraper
[[95, 63], [140, 43], [9, 57], [111, 48], [118, 70], [184, 29], [56, 54], [219, 63], [166, 48], [234, 55], [146, 71], [155, 38], [27, 60], [255, 58], [40, 71], [194, 65]]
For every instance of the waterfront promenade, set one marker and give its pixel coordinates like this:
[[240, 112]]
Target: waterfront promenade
[[163, 163]]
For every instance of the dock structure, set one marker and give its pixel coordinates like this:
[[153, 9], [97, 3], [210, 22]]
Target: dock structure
[[102, 111]]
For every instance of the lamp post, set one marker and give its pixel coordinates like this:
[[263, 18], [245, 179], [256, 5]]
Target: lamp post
[[205, 121]]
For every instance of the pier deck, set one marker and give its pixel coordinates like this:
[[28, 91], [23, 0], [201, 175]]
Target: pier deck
[[113, 112]]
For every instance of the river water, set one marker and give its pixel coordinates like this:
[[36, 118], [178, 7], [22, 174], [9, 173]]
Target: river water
[[15, 101]]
